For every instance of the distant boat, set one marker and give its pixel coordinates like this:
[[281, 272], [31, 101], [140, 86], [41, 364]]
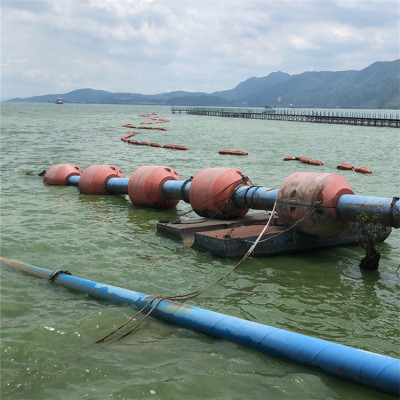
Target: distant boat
[[60, 101]]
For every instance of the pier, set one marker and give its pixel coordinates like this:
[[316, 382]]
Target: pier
[[345, 117]]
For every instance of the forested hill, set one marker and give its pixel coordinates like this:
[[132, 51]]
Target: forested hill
[[374, 87]]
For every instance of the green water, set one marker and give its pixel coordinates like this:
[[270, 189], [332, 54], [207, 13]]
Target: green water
[[47, 332]]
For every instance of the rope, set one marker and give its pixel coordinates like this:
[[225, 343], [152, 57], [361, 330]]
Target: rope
[[185, 296], [312, 209]]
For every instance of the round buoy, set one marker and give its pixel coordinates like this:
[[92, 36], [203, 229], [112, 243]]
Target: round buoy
[[210, 192], [301, 192], [145, 186], [60, 173], [345, 167], [94, 178]]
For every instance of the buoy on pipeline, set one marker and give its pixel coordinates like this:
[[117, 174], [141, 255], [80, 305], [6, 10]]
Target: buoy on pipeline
[[308, 200], [94, 178], [363, 170], [175, 146], [210, 192], [310, 161], [60, 173], [152, 144], [233, 152], [345, 167], [145, 186]]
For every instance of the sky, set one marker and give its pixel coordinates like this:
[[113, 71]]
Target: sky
[[158, 46]]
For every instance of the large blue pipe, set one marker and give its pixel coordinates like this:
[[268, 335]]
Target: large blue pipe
[[348, 207], [378, 372]]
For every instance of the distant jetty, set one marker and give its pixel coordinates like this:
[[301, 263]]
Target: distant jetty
[[368, 118]]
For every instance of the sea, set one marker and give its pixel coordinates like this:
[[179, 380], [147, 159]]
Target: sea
[[48, 332]]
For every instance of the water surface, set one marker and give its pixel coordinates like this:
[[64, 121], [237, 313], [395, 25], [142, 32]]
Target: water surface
[[47, 332]]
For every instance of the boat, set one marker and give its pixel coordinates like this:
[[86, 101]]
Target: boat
[[59, 101]]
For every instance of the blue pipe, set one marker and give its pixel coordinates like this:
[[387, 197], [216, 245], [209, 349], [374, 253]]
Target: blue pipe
[[348, 206], [114, 185], [74, 180], [118, 185], [255, 197], [377, 372], [177, 190]]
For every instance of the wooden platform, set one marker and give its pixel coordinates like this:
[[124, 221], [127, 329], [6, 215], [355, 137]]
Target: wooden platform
[[186, 229], [233, 238]]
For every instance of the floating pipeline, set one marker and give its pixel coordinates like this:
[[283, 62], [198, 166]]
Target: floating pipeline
[[304, 160], [227, 193], [233, 152], [374, 371], [361, 170]]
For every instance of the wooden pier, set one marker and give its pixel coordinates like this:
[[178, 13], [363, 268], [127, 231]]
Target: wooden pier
[[368, 118]]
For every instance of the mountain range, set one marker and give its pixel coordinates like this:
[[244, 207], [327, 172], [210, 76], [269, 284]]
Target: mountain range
[[374, 87]]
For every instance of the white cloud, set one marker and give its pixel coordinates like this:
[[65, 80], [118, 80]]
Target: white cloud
[[153, 46]]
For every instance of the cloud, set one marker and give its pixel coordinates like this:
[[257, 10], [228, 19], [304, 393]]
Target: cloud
[[154, 46]]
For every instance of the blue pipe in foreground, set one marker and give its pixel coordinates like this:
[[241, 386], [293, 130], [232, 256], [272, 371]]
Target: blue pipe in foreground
[[377, 372]]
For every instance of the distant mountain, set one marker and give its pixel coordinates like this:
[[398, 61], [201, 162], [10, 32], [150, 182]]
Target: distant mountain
[[374, 87]]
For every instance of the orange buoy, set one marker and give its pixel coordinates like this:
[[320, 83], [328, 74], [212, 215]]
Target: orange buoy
[[145, 186], [211, 190], [94, 178], [133, 142], [300, 192], [315, 162], [60, 173], [154, 144], [345, 167], [233, 152], [363, 170], [310, 161]]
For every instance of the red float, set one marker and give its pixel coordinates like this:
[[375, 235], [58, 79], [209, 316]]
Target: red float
[[345, 167], [145, 186], [363, 170], [211, 190], [308, 200], [94, 178], [234, 152], [60, 173]]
